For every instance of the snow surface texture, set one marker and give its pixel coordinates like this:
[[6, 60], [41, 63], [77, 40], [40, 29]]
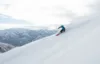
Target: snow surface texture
[[79, 45]]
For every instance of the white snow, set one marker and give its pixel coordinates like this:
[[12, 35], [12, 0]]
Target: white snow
[[80, 44]]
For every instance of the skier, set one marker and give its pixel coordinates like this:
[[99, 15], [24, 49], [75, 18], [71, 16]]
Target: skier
[[62, 29]]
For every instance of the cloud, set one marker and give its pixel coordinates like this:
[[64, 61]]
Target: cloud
[[47, 11], [6, 1], [95, 6]]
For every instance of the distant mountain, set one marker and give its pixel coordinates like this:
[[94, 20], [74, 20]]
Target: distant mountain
[[10, 38], [21, 36], [5, 47]]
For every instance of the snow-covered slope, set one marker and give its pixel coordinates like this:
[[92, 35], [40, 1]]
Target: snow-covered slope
[[79, 45]]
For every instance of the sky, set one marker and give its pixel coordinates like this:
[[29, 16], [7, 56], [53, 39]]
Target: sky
[[7, 26], [45, 12]]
